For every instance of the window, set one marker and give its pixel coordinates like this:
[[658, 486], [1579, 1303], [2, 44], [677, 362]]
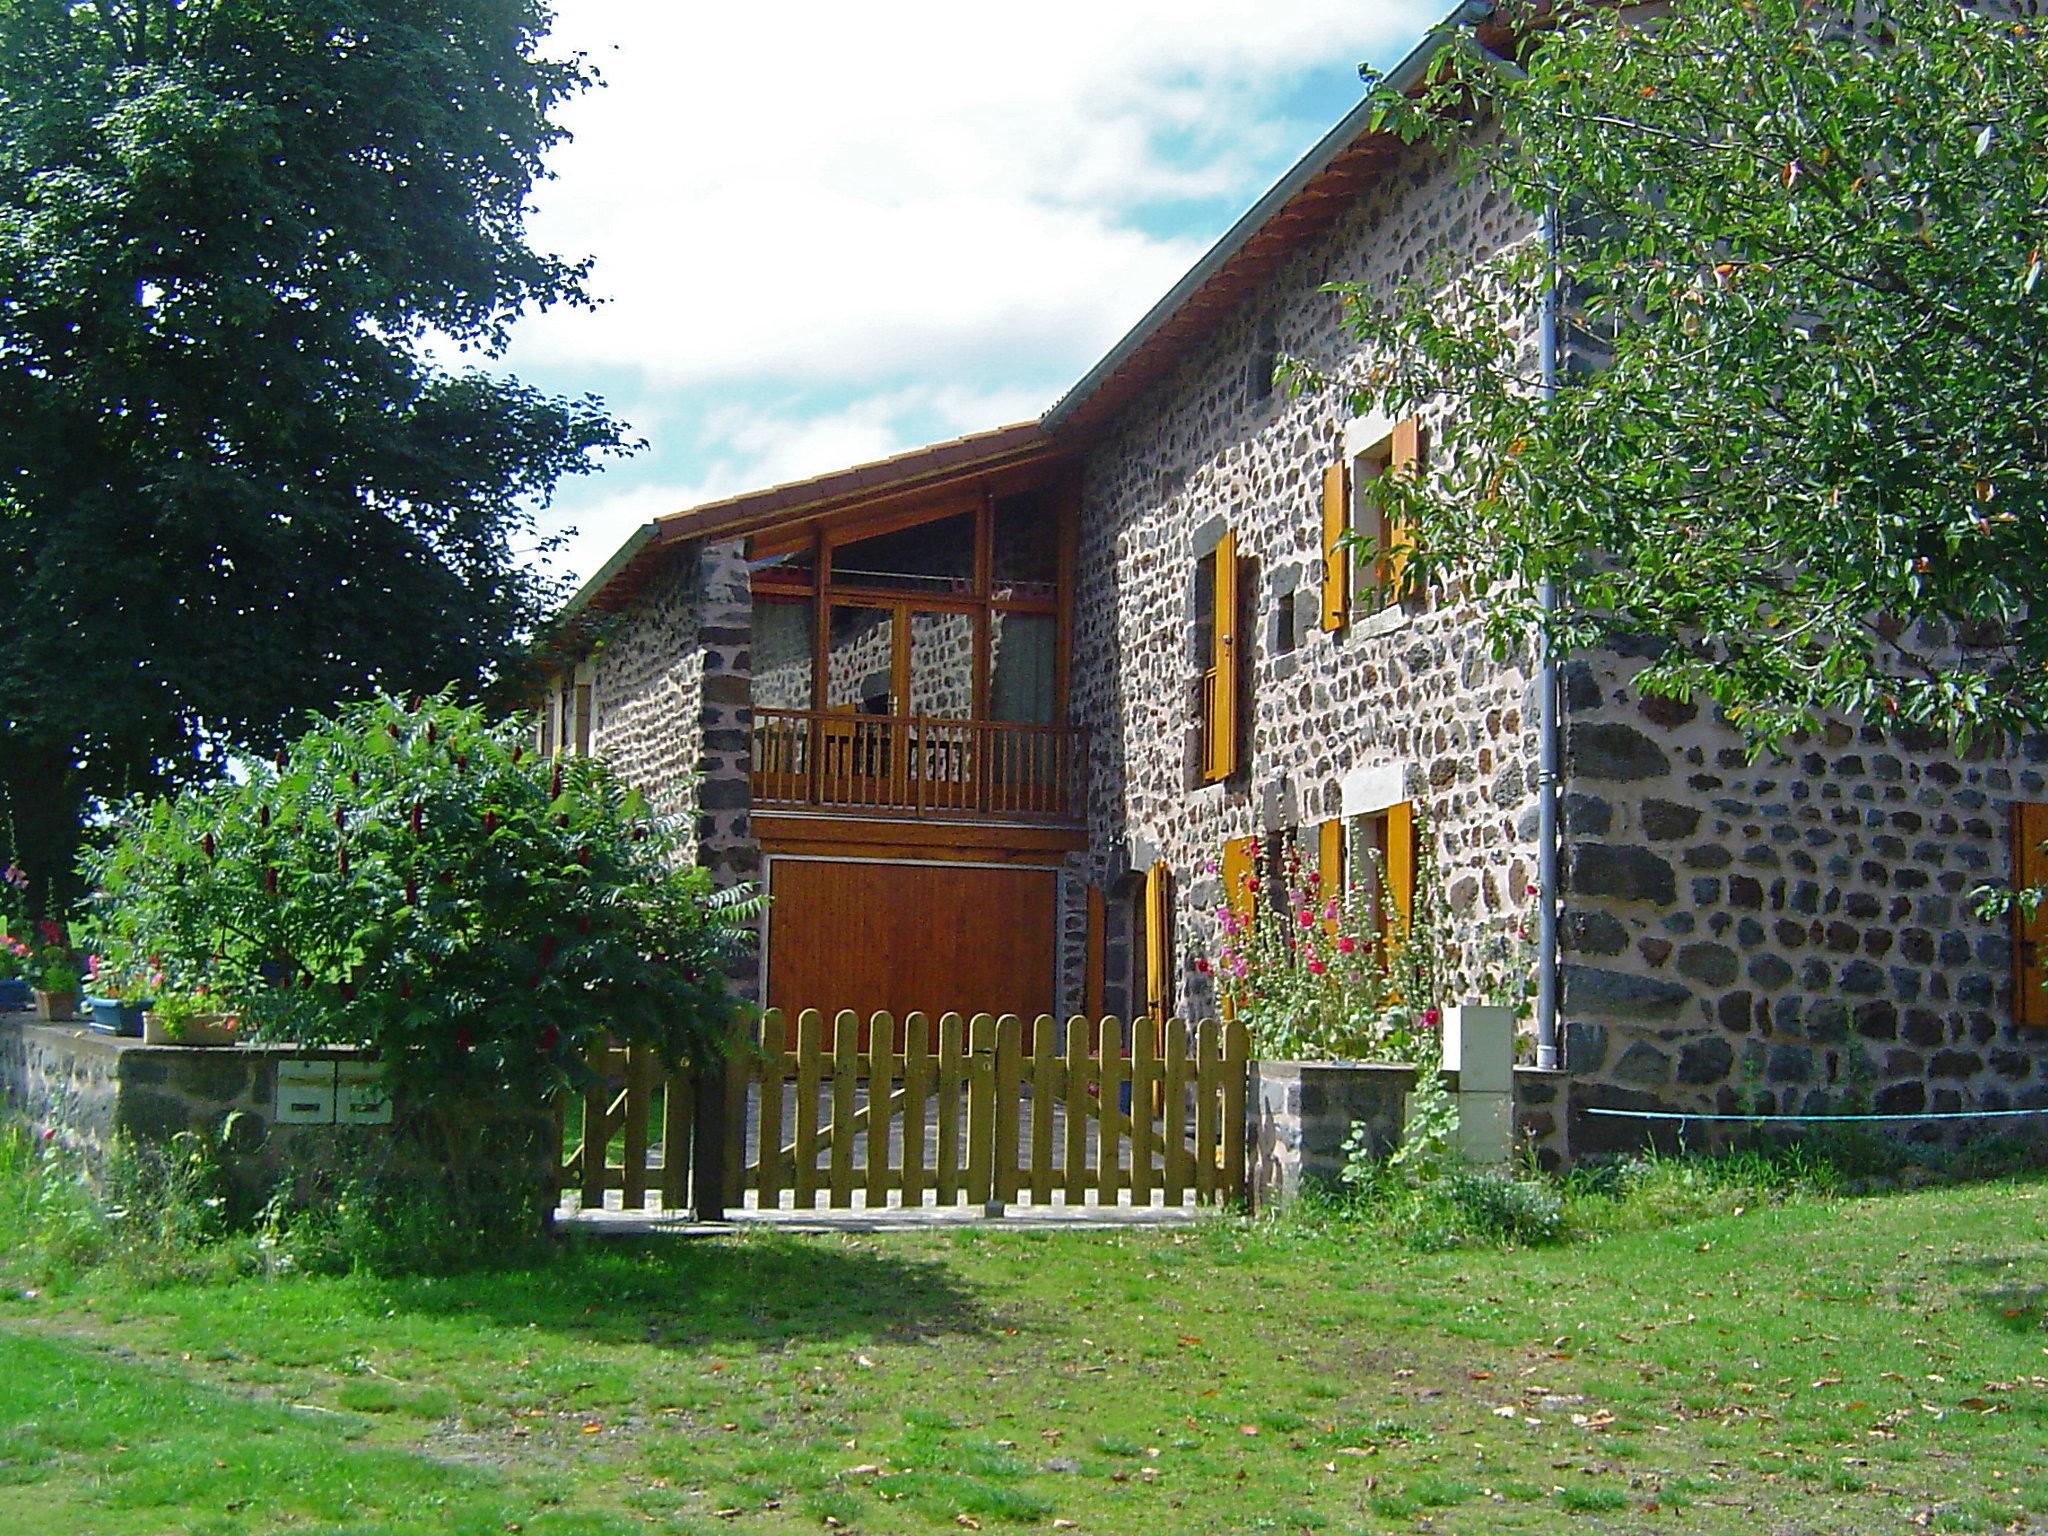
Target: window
[[785, 651], [1216, 654], [1384, 840], [2030, 935], [1349, 506]]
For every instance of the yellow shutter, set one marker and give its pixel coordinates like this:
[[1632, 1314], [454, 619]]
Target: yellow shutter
[[1330, 864], [1158, 940], [2030, 868], [1238, 893], [1395, 540], [1223, 681], [1401, 861], [1336, 558]]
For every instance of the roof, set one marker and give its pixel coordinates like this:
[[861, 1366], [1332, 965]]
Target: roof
[[626, 575], [1302, 204]]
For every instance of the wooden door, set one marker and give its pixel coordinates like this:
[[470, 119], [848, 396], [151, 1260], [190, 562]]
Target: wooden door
[[904, 938]]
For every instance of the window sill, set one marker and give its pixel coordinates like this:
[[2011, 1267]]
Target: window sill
[[1386, 622]]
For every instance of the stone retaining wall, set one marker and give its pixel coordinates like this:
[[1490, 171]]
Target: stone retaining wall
[[91, 1092]]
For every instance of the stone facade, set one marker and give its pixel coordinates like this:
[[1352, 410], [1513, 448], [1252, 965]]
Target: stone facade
[[1411, 697], [670, 703], [1795, 934]]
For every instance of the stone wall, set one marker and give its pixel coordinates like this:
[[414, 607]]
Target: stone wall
[[91, 1092], [670, 704], [1793, 935], [1412, 699]]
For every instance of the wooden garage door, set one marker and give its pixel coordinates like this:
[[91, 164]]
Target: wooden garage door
[[908, 937]]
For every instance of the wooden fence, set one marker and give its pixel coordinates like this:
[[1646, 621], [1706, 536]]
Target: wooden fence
[[947, 1111]]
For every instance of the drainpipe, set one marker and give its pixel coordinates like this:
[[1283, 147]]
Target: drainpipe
[[1550, 702]]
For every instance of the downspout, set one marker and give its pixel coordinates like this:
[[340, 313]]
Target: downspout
[[1549, 700]]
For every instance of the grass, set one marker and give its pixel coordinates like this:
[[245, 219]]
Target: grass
[[1869, 1364]]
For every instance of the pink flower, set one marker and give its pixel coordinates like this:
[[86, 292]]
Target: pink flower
[[1431, 1018], [1532, 891], [1330, 911], [1316, 967], [1210, 867], [1346, 945], [1202, 967]]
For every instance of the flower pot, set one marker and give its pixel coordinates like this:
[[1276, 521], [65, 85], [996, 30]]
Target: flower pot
[[195, 1029], [111, 1016], [15, 996], [56, 1007]]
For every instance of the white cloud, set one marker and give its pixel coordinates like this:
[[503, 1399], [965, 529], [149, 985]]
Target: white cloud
[[858, 192], [826, 233]]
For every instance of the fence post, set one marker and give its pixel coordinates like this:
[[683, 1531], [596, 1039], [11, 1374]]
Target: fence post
[[707, 1166]]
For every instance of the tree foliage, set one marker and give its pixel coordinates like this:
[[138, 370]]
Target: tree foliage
[[416, 880], [234, 484], [1801, 452]]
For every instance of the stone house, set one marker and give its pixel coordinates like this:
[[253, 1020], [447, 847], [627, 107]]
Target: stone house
[[986, 717]]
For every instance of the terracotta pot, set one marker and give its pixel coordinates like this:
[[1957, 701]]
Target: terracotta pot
[[198, 1029], [56, 1007]]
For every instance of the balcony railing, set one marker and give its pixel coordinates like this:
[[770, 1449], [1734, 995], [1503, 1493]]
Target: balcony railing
[[823, 760]]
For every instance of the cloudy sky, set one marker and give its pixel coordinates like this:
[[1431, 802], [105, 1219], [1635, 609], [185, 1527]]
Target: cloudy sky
[[825, 233]]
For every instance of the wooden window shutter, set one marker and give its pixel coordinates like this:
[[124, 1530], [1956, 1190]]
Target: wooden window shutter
[[1401, 861], [1223, 685], [1336, 558], [583, 719], [1395, 539], [2030, 936], [1330, 859], [1158, 940], [1239, 893]]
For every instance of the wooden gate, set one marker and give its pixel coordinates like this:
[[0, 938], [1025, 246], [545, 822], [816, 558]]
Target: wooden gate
[[922, 1112]]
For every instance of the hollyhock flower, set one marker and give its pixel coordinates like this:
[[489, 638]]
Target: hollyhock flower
[[1532, 890], [1316, 967], [1330, 910], [1346, 945], [1431, 1017], [1305, 919], [1202, 967]]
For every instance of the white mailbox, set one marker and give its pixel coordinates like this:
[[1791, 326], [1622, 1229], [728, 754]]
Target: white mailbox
[[305, 1093], [360, 1097]]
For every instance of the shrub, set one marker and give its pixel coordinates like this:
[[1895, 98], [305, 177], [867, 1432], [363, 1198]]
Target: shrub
[[412, 879]]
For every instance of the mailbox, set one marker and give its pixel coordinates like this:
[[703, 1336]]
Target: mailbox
[[305, 1093], [360, 1097]]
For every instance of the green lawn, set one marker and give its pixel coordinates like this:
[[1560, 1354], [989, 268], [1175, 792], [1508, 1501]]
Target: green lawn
[[1876, 1364]]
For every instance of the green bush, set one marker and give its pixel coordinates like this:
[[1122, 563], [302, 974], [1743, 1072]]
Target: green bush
[[413, 879]]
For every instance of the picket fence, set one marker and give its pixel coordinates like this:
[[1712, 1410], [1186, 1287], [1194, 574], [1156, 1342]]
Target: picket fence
[[849, 1114]]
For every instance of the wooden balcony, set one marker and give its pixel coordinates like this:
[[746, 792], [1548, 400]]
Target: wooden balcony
[[907, 765]]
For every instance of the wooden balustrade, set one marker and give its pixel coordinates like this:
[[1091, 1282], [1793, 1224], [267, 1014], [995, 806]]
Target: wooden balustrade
[[823, 760]]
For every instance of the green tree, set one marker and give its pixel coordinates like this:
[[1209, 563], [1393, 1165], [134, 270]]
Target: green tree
[[416, 880], [234, 486], [1799, 454]]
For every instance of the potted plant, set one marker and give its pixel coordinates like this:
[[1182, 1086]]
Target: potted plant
[[116, 995], [1337, 989], [54, 977], [189, 1018], [14, 990]]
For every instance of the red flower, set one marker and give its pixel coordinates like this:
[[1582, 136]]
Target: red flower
[[1346, 945], [1431, 1017], [1202, 966], [1316, 967]]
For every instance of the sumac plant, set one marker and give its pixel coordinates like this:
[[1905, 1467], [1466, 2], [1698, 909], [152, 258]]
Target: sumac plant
[[414, 878]]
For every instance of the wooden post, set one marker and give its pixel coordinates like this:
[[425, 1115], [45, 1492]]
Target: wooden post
[[1109, 1118], [948, 1100], [1144, 1087], [1236, 1069], [1079, 1033], [981, 1136], [882, 1061], [917, 1084], [1205, 1112], [707, 1170], [810, 1026], [1009, 1093], [1044, 1100], [1176, 1119], [774, 1071], [845, 1073]]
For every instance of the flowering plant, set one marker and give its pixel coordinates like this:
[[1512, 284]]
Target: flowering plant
[[177, 1013], [14, 954], [119, 981], [14, 957], [55, 969], [1321, 975]]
